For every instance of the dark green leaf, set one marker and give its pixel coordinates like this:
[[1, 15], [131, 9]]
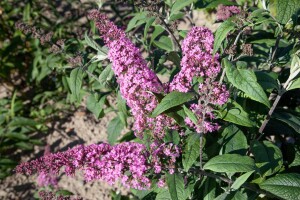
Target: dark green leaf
[[191, 151], [22, 121], [268, 157], [163, 195], [171, 100], [286, 186], [158, 29], [75, 83], [64, 193], [230, 163], [172, 136], [288, 118], [234, 113], [245, 80], [114, 129], [176, 186], [233, 141]]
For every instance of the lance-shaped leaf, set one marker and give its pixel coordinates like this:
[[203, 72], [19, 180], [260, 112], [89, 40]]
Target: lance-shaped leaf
[[245, 80], [176, 186], [222, 33]]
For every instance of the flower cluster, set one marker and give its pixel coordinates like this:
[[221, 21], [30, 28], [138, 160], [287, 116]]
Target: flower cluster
[[44, 178], [224, 12], [197, 49], [126, 162], [198, 61], [137, 81]]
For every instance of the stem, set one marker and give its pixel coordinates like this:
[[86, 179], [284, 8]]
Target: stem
[[264, 124], [201, 150], [230, 56], [173, 38]]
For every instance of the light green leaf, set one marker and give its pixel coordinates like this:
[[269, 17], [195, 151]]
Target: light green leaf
[[222, 33], [190, 114], [286, 186], [138, 19], [283, 10], [106, 76], [148, 25], [176, 187], [94, 45], [75, 83], [164, 43], [268, 157], [245, 80], [233, 141], [234, 113], [241, 180], [94, 105], [191, 151], [114, 129], [230, 163], [295, 84], [171, 100], [180, 4], [22, 121], [158, 29]]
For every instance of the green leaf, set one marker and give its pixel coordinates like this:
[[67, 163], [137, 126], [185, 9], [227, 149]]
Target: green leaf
[[158, 29], [245, 80], [22, 121], [222, 33], [7, 162], [172, 136], [171, 100], [164, 43], [283, 10], [114, 129], [24, 145], [180, 4], [138, 19], [295, 65], [106, 76], [234, 113], [216, 3], [210, 189], [94, 45], [268, 81], [163, 195], [191, 151], [190, 115], [268, 157], [295, 84], [75, 83], [230, 163], [64, 193], [286, 186], [235, 195], [148, 25], [241, 180], [176, 186], [288, 118], [233, 141], [94, 105]]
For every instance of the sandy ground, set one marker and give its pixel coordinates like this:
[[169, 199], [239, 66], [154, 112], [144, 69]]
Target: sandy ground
[[81, 128]]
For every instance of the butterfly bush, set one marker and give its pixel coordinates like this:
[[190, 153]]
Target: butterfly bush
[[224, 12], [198, 61], [137, 81], [133, 164], [129, 163]]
